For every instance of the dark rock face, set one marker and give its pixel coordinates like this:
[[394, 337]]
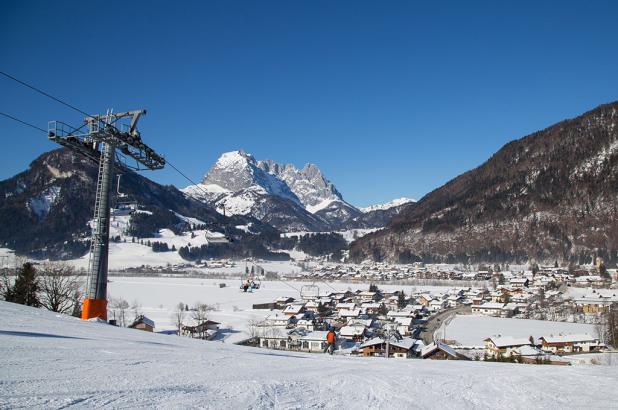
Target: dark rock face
[[552, 195], [45, 210]]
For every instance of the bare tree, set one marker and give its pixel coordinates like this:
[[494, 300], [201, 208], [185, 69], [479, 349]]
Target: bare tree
[[178, 316], [254, 328], [119, 308], [611, 330], [136, 308], [199, 314], [58, 286], [600, 329]]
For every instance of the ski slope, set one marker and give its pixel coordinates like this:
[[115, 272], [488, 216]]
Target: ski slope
[[55, 361]]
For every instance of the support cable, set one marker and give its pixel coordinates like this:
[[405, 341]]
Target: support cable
[[23, 122], [38, 90]]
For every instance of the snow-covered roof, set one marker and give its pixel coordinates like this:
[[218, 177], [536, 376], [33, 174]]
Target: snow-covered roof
[[506, 341], [316, 335], [528, 350], [372, 342], [349, 313], [142, 319], [346, 306], [293, 308], [569, 338], [430, 348], [404, 321], [351, 331], [353, 321], [407, 312], [405, 343], [491, 305], [277, 316]]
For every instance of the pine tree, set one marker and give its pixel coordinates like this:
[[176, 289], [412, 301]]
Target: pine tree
[[401, 300], [26, 286]]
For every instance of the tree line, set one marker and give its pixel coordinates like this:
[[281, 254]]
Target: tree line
[[53, 286]]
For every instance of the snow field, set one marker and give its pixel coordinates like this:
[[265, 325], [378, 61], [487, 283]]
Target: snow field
[[470, 330], [55, 361]]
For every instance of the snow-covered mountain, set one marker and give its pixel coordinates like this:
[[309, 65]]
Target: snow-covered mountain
[[388, 205], [283, 195], [45, 210]]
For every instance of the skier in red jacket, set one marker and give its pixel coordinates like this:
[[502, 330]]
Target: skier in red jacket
[[331, 339]]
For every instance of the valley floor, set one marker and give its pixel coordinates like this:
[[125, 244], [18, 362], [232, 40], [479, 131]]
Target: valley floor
[[54, 361]]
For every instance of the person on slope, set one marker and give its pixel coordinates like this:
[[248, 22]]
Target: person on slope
[[331, 339]]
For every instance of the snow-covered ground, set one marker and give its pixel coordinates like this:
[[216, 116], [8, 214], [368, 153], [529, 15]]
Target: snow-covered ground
[[470, 330], [576, 293], [388, 205], [349, 235], [7, 258], [55, 361], [126, 254], [158, 296], [5, 252]]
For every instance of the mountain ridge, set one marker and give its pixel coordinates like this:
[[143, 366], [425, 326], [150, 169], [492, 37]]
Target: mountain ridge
[[548, 196], [290, 198]]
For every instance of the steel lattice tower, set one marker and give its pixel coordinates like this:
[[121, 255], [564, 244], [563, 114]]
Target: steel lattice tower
[[108, 135]]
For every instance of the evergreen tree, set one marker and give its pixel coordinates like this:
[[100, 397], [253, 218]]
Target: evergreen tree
[[26, 286], [401, 300]]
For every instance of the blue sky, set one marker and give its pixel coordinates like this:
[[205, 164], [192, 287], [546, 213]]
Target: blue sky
[[390, 99]]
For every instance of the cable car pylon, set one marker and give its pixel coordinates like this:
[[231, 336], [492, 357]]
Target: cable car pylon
[[107, 135]]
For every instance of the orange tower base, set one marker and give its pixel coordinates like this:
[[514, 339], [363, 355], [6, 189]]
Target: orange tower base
[[94, 308]]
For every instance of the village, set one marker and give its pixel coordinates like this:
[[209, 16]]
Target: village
[[383, 321]]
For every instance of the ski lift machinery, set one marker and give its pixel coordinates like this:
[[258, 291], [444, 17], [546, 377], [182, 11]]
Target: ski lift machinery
[[257, 282], [226, 231], [251, 278], [124, 204]]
